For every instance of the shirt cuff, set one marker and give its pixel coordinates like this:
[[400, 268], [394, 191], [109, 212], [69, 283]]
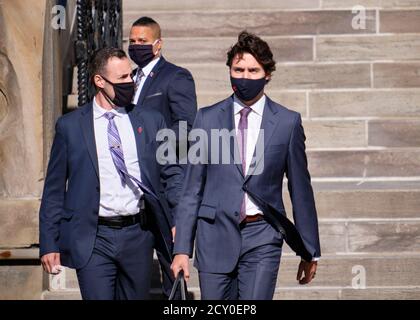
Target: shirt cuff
[[314, 259]]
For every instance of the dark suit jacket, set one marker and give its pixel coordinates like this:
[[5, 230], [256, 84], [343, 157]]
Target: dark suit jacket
[[170, 89], [210, 203], [70, 201]]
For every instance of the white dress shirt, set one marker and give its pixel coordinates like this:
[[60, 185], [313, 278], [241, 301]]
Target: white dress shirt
[[254, 125], [116, 199], [146, 70]]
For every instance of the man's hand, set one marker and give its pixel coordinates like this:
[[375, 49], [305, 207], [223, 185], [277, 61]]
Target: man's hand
[[308, 269], [50, 262], [181, 262], [173, 233]]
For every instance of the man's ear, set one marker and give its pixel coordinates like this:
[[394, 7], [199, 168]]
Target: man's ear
[[159, 46], [99, 82], [268, 77]]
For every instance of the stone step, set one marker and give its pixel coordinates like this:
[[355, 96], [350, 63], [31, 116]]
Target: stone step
[[387, 4], [364, 163], [364, 200], [362, 133], [337, 105], [302, 48], [198, 50], [381, 270], [365, 103], [339, 293], [20, 281], [288, 293], [203, 5], [264, 22], [214, 77], [167, 5]]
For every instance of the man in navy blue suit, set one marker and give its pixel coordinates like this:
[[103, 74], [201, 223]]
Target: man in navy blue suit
[[162, 86], [234, 210], [107, 202]]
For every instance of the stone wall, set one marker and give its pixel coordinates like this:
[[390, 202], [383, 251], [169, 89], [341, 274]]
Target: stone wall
[[21, 142]]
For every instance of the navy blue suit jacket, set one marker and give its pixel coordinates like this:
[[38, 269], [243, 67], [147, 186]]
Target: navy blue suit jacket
[[208, 210], [170, 90], [70, 201]]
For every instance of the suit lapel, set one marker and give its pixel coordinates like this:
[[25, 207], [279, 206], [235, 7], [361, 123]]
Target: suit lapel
[[227, 121], [140, 135], [268, 124], [150, 79], [86, 123]]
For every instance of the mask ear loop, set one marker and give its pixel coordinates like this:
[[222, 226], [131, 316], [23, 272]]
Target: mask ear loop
[[155, 42], [107, 97]]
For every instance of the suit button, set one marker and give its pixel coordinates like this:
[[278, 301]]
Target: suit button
[[236, 214]]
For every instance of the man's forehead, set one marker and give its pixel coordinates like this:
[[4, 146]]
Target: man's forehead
[[248, 60], [117, 65], [141, 31]]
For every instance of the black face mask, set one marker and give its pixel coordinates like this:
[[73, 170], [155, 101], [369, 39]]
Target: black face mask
[[124, 93], [247, 89], [141, 54]]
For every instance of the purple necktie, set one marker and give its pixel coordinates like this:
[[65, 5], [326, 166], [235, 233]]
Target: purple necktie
[[140, 75], [117, 154], [242, 127]]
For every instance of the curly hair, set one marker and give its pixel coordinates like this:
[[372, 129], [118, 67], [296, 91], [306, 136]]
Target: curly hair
[[254, 45]]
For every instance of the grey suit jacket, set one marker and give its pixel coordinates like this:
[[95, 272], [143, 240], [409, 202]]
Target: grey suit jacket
[[208, 211]]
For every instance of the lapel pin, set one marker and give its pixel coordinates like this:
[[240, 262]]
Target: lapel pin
[[140, 130], [151, 74]]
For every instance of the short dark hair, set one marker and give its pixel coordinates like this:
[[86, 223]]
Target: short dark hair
[[254, 45], [100, 59], [149, 22]]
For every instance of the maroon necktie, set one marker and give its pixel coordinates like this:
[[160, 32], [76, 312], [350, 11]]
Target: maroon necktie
[[242, 128]]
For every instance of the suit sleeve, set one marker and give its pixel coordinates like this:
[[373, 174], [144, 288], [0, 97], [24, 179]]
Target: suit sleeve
[[191, 197], [300, 189], [52, 202], [182, 99], [171, 175]]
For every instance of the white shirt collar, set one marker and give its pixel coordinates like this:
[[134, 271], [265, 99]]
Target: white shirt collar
[[149, 67], [257, 107], [98, 111]]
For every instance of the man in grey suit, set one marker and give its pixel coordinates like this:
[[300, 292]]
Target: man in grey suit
[[235, 211]]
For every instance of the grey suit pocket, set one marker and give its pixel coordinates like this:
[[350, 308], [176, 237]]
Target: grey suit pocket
[[207, 212]]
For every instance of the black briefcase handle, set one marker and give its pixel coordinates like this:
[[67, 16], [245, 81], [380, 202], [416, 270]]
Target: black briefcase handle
[[179, 281]]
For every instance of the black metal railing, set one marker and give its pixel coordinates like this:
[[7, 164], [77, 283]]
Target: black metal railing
[[99, 24]]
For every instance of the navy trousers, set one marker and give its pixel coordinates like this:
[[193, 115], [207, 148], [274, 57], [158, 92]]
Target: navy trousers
[[255, 275], [120, 267]]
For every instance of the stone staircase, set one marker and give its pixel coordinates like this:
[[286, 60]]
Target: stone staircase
[[358, 93]]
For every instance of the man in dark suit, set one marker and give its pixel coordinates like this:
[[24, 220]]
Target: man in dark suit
[[162, 86], [106, 200], [234, 211]]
